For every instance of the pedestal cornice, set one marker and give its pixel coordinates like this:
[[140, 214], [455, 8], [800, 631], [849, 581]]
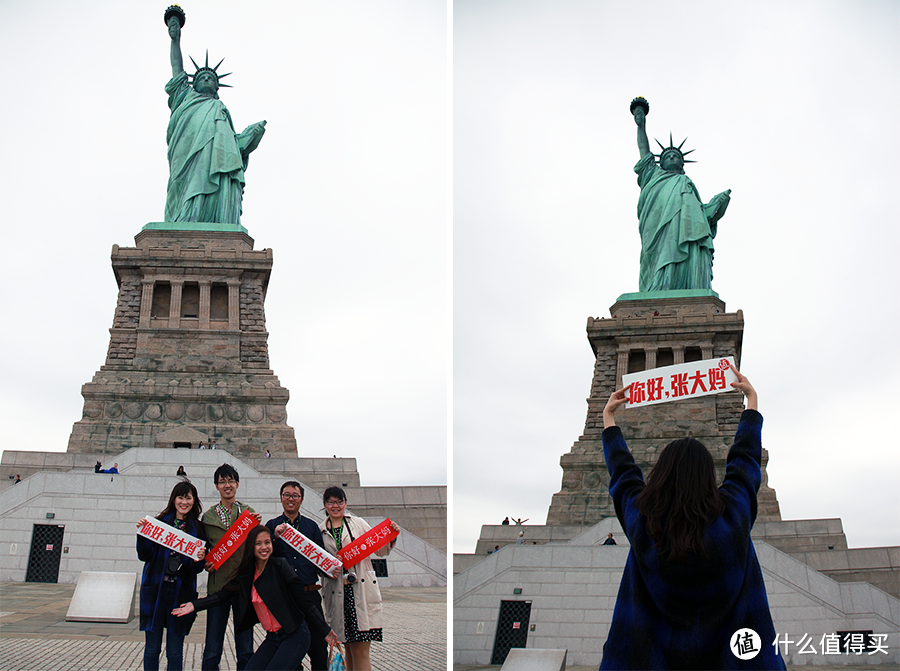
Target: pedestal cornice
[[194, 226]]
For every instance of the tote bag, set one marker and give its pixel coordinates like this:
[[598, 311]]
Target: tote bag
[[336, 657]]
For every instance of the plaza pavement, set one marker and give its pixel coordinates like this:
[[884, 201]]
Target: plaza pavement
[[34, 634], [880, 667]]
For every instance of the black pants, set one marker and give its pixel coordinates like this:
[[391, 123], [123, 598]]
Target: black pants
[[318, 648]]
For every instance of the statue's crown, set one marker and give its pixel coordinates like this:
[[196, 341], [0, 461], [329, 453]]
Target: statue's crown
[[206, 68], [672, 147]]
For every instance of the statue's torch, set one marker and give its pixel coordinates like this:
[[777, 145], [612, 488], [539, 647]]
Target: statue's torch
[[177, 12], [640, 102]]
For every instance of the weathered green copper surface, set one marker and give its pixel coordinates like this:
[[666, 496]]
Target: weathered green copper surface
[[674, 293], [207, 159], [676, 227], [193, 226]]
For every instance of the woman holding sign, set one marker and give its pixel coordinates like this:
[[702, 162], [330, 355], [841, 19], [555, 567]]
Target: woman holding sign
[[169, 578], [692, 589], [266, 590], [353, 602]]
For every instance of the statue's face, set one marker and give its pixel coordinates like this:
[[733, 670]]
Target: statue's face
[[671, 161], [206, 84]]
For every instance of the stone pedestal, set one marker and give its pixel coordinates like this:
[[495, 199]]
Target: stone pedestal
[[188, 355], [648, 331]]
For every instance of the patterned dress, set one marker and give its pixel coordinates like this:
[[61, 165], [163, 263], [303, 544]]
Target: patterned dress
[[352, 634]]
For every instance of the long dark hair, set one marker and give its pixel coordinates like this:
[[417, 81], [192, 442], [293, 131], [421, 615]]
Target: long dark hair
[[681, 499], [248, 564], [181, 489]]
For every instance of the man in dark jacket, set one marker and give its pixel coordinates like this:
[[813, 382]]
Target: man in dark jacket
[[291, 498]]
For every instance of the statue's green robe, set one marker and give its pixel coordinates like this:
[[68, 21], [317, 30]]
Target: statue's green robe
[[676, 231], [206, 169]]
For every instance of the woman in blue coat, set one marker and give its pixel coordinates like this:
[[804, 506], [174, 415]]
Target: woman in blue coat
[[169, 578], [692, 584]]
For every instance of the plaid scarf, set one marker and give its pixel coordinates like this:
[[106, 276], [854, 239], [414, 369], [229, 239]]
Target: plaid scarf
[[225, 515]]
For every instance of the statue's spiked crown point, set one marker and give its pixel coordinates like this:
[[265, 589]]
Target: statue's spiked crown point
[[206, 68], [672, 147]]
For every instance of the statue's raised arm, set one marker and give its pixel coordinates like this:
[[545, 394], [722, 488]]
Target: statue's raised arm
[[175, 50], [207, 158], [676, 228], [639, 108]]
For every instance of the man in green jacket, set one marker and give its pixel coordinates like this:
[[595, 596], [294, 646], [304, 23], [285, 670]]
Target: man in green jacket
[[215, 522]]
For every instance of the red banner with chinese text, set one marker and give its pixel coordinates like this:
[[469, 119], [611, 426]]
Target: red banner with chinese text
[[232, 540], [374, 539]]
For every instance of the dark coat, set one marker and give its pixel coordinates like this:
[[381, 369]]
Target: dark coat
[[684, 615], [155, 609], [282, 593], [303, 567]]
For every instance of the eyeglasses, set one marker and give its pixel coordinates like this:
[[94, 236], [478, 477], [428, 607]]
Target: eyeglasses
[[292, 497], [331, 503], [226, 481]]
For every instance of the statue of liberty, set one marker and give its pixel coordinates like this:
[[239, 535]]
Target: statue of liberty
[[207, 159], [677, 228]]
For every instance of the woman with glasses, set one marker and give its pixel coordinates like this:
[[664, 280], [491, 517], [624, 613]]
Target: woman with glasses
[[169, 578], [352, 602]]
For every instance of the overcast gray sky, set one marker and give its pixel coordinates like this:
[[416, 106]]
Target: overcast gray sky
[[792, 105], [349, 187]]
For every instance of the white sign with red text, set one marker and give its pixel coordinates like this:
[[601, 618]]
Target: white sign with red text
[[170, 537], [683, 380], [310, 550]]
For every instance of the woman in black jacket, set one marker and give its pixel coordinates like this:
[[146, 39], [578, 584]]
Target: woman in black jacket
[[168, 579], [269, 592]]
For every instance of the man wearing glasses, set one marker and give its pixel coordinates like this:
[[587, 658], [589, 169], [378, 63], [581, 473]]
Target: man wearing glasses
[[216, 522], [291, 498]]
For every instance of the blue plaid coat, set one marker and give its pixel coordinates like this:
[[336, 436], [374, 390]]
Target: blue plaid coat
[[157, 604], [685, 616]]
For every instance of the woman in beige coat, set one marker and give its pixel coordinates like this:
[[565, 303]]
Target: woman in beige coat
[[352, 608]]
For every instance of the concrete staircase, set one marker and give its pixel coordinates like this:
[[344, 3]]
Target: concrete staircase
[[99, 512], [572, 586]]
